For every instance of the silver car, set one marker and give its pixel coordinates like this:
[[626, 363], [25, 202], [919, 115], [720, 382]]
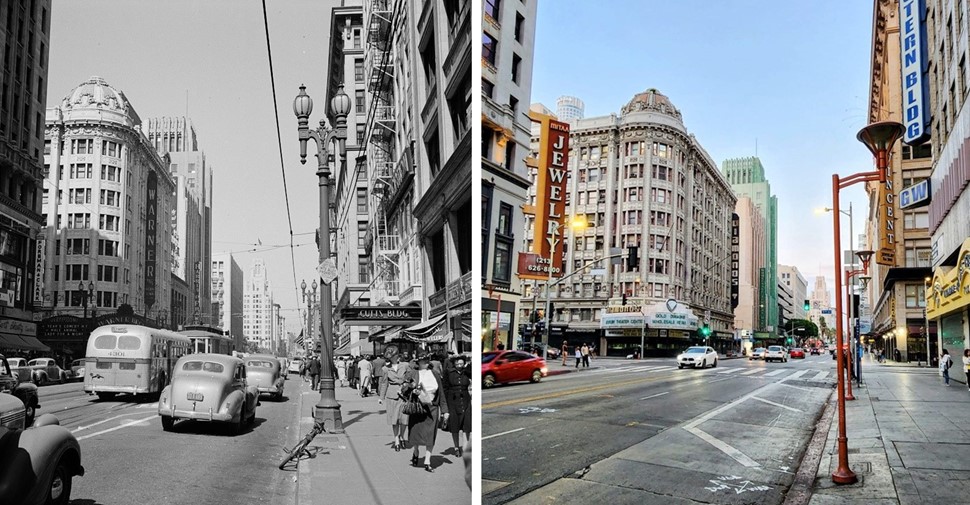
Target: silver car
[[209, 387], [264, 372], [776, 353], [697, 356]]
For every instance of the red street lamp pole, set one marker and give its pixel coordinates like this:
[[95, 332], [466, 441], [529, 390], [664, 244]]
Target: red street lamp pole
[[865, 256], [879, 138]]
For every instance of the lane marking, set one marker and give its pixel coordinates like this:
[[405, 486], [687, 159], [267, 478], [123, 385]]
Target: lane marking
[[719, 380], [776, 372], [752, 372], [796, 387], [729, 370], [503, 433], [737, 455], [505, 403], [769, 402], [818, 377], [797, 374], [654, 396], [123, 425]]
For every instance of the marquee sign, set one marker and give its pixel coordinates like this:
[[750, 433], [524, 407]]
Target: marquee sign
[[381, 315], [549, 228]]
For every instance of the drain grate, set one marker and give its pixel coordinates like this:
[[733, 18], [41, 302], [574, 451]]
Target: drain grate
[[874, 398]]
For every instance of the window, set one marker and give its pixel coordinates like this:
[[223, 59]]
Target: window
[[81, 170], [362, 234], [516, 64], [79, 196], [107, 248], [915, 297], [504, 220], [916, 220], [82, 146], [107, 273], [363, 269], [110, 148], [356, 33], [362, 201], [80, 220], [519, 27], [78, 246], [502, 270], [110, 198], [359, 100], [110, 173], [359, 70], [489, 48], [492, 8], [109, 223], [361, 132], [487, 88], [76, 272]]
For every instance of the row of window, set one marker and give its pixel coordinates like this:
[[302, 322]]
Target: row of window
[[81, 272], [82, 220]]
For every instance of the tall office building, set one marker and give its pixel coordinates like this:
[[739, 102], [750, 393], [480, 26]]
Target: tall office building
[[641, 179], [192, 238], [107, 202], [227, 297], [259, 321], [24, 44], [747, 178], [508, 41], [751, 255], [793, 279], [570, 108], [821, 307]]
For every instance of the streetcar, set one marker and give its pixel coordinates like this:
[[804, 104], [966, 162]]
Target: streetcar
[[129, 358], [206, 339]]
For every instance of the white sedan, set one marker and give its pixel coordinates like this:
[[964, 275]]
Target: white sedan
[[697, 356], [776, 353]]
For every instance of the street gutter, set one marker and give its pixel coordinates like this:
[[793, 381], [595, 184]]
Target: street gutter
[[800, 492]]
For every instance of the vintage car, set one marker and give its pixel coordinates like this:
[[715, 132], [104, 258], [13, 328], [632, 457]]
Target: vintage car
[[36, 463], [264, 372], [27, 392], [209, 387], [44, 371], [77, 370], [295, 363], [19, 368]]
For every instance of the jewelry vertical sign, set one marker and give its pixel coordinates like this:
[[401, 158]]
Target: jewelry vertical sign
[[551, 194]]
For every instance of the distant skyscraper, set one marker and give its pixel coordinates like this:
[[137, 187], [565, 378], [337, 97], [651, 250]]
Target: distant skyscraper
[[821, 304], [259, 322], [747, 178], [227, 296], [570, 108], [791, 277]]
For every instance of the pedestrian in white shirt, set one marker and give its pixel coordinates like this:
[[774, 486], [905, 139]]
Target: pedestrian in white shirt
[[966, 365], [945, 363]]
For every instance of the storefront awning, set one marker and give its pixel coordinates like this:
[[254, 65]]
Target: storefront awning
[[22, 343], [424, 329]]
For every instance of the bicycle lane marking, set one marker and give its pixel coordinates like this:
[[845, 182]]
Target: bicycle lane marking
[[122, 425]]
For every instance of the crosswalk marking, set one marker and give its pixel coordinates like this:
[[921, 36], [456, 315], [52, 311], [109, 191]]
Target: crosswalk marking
[[729, 370], [776, 372], [752, 372], [819, 376], [798, 374]]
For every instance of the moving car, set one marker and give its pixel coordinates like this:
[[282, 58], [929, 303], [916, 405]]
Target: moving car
[[19, 368], [295, 363], [77, 369], [776, 353], [816, 351], [45, 371], [796, 352], [757, 353], [500, 367], [209, 387], [264, 372], [36, 463], [10, 383], [697, 356]]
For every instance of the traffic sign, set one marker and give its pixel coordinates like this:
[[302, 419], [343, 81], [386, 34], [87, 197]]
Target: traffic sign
[[327, 270]]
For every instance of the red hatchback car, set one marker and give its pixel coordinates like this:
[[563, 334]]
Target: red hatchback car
[[499, 367], [796, 352]]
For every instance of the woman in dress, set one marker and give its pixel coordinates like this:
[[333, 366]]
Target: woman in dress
[[390, 395], [423, 427], [457, 381]]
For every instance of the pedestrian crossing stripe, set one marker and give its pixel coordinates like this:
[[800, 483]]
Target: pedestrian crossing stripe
[[751, 372], [819, 376], [774, 373]]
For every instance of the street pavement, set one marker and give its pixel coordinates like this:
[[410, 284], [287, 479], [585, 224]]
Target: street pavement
[[625, 431], [360, 468], [129, 459], [907, 436]]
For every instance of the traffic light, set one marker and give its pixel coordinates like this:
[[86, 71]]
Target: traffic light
[[807, 306], [319, 348], [632, 259], [534, 317], [624, 298], [705, 331]]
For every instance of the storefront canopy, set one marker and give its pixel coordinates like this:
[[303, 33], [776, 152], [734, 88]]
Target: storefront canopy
[[21, 343], [424, 329]]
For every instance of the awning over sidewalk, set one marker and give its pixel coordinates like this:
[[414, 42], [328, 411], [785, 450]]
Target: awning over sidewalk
[[22, 343], [425, 329]]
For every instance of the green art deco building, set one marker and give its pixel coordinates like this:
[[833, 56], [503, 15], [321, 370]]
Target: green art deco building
[[747, 178]]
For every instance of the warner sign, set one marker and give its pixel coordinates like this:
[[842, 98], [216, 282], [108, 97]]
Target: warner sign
[[917, 195]]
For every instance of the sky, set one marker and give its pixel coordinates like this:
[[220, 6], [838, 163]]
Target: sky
[[791, 78], [208, 60]]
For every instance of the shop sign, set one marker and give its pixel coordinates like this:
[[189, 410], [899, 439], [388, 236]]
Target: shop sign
[[151, 237], [913, 51], [886, 255], [950, 290], [917, 195], [40, 260], [25, 328], [550, 194], [735, 259]]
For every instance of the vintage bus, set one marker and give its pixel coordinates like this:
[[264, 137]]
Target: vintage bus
[[209, 340], [128, 358]]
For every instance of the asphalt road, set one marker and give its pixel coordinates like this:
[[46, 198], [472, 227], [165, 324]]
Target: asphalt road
[[634, 417], [128, 459]]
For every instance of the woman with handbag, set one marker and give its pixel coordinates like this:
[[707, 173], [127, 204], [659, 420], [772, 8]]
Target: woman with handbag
[[394, 400], [457, 381], [425, 384]]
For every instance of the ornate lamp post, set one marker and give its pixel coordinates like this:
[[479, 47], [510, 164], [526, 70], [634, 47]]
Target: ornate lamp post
[[879, 138], [327, 410], [865, 257], [310, 297], [87, 293]]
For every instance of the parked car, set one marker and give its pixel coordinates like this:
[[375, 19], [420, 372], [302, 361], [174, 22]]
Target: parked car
[[757, 353], [209, 387], [499, 367], [776, 353], [38, 463], [27, 392], [796, 352], [19, 368], [77, 370], [45, 371], [264, 372], [295, 363], [697, 356], [816, 351]]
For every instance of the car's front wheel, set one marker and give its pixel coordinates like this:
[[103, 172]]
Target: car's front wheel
[[106, 396], [30, 413], [715, 363], [536, 376], [59, 490], [168, 423], [488, 381]]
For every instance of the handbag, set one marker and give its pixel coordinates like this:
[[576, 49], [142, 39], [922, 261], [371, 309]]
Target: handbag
[[443, 422], [412, 406]]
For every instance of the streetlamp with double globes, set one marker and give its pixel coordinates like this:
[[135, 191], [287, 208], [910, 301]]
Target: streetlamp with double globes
[[327, 410], [310, 297], [87, 294]]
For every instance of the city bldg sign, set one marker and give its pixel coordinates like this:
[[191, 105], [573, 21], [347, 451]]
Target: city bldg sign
[[949, 288], [917, 195], [550, 208], [886, 255], [735, 259], [916, 90]]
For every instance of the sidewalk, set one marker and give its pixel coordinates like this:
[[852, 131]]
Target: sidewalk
[[908, 438], [360, 467]]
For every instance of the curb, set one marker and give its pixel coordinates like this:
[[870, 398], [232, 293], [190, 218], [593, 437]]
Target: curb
[[801, 490]]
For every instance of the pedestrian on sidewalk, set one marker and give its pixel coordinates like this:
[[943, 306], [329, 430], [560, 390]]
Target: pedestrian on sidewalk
[[366, 372], [352, 372], [304, 364], [423, 427], [314, 370], [945, 363], [391, 395], [342, 371], [564, 352], [966, 365], [579, 356], [378, 367], [585, 351], [457, 382]]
